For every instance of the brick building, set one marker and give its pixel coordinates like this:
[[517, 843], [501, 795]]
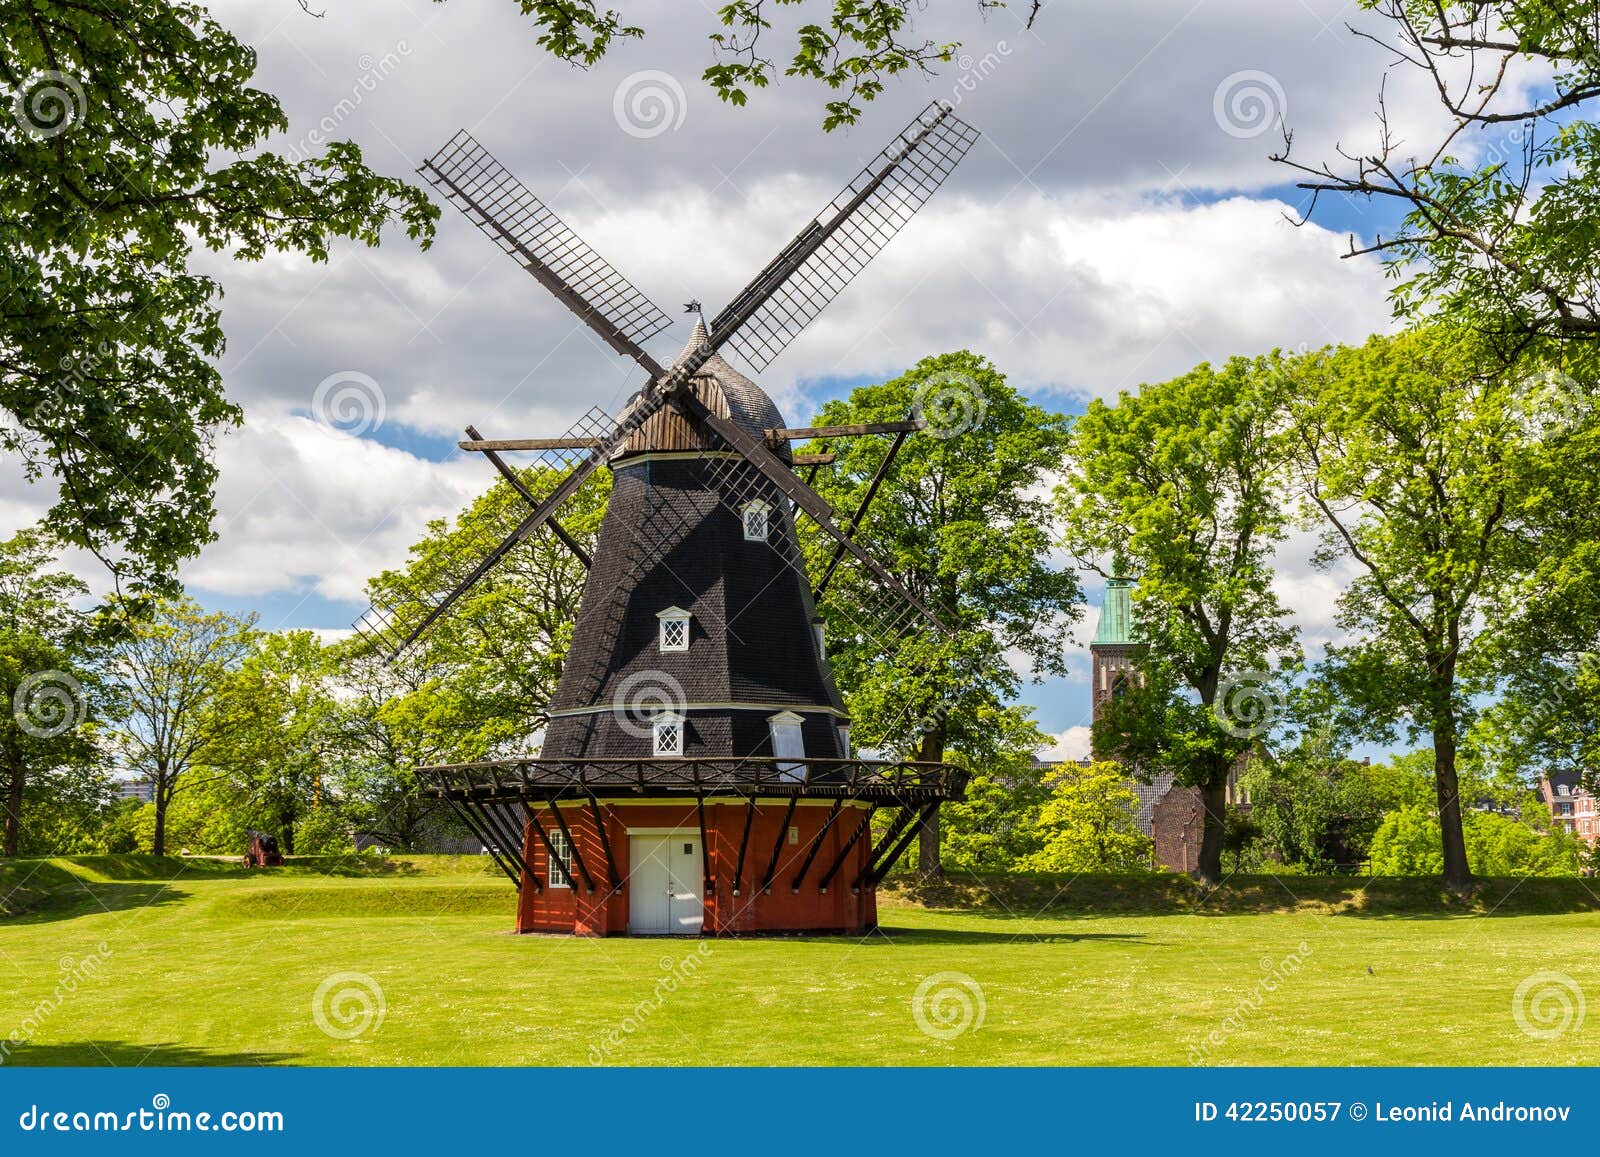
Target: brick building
[[1571, 805], [1172, 816]]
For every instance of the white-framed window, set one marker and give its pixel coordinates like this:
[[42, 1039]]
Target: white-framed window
[[560, 873], [674, 629], [788, 742], [668, 732], [757, 521], [820, 629], [844, 740]]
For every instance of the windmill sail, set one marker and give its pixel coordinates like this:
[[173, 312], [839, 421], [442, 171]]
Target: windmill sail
[[835, 246], [522, 225]]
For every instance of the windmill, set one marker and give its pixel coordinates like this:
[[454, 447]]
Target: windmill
[[696, 772]]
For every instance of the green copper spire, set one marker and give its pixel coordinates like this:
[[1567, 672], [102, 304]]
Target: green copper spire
[[1116, 613]]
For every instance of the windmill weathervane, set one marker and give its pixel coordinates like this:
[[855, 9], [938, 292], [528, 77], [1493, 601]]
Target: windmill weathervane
[[696, 764]]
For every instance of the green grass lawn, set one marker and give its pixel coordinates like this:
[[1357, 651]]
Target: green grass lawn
[[131, 961]]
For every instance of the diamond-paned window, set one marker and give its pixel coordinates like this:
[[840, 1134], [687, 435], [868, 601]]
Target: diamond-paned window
[[669, 735], [674, 629], [756, 522]]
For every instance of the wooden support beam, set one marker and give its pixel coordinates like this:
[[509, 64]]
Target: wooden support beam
[[876, 873], [614, 876], [509, 841], [483, 837], [816, 844], [777, 845], [577, 855], [556, 528], [744, 844], [483, 445], [813, 459], [705, 847], [907, 813], [833, 870], [782, 434], [854, 524], [550, 849]]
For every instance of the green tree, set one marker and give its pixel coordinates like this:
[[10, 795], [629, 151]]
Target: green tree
[[850, 47], [268, 729], [165, 674], [1500, 231], [1181, 488], [1314, 808], [46, 740], [997, 825], [1414, 459], [961, 521], [494, 661], [1407, 844], [1089, 823], [133, 136]]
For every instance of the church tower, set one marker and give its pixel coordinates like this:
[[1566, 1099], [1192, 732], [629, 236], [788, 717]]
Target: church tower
[[1113, 651]]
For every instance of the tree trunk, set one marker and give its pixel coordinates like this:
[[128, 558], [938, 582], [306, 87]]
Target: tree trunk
[[931, 750], [13, 836], [158, 844], [1213, 824], [1457, 873]]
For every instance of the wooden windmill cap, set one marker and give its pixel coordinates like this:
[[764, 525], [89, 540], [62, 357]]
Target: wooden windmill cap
[[723, 390]]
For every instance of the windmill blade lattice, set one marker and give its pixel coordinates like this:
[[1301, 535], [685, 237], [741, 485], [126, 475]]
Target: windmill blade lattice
[[506, 210], [399, 607], [828, 253]]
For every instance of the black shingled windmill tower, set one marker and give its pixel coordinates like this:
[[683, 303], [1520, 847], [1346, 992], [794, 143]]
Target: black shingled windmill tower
[[696, 723]]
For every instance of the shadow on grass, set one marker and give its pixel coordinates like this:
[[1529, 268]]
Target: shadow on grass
[[127, 1055], [1165, 894], [912, 936]]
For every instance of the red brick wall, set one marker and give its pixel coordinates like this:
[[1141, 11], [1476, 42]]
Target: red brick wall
[[605, 911]]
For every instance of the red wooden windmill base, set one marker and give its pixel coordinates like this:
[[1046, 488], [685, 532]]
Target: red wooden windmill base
[[694, 846]]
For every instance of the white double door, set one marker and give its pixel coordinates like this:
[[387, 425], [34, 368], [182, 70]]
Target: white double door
[[664, 880]]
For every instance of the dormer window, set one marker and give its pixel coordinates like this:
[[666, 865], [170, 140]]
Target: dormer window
[[674, 629], [668, 734], [844, 740], [820, 630], [757, 521], [788, 742]]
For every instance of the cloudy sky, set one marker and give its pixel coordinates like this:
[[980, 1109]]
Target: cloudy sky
[[1118, 222]]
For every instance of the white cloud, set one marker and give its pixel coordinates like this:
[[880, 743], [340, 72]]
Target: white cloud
[[1073, 743]]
